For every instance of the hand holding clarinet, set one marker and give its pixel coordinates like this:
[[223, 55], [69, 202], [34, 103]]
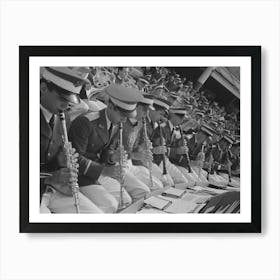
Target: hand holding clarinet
[[65, 179], [200, 159], [186, 154], [148, 147], [71, 163]]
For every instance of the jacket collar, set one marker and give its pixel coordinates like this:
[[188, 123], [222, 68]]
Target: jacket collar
[[102, 127], [47, 114], [44, 126]]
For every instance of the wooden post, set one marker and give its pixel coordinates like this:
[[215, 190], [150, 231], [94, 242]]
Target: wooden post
[[203, 77]]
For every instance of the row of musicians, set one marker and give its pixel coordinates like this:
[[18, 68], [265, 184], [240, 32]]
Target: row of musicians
[[95, 138]]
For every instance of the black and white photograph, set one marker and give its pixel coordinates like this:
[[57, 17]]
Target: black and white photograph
[[147, 132], [140, 140]]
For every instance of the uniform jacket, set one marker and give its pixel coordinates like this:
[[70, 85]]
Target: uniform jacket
[[50, 144], [90, 137], [171, 136], [195, 144], [154, 135], [133, 138]]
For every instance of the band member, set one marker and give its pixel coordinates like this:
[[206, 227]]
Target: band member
[[59, 90], [172, 133], [92, 135], [142, 84], [222, 157], [198, 152], [121, 75], [178, 151], [139, 146], [202, 134], [124, 78], [235, 159], [151, 121], [160, 142]]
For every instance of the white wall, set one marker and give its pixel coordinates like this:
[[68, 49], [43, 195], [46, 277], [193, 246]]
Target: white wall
[[126, 256]]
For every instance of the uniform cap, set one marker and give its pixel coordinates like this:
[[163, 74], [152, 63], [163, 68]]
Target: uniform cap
[[198, 113], [178, 110], [236, 143], [229, 139], [173, 95], [82, 72], [65, 79], [95, 105], [148, 99], [142, 80], [227, 131], [207, 129], [162, 87], [165, 104], [213, 123], [123, 97]]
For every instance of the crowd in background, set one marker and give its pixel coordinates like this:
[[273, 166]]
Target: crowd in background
[[202, 106], [167, 84]]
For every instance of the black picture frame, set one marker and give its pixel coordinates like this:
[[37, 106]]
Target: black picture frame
[[254, 52]]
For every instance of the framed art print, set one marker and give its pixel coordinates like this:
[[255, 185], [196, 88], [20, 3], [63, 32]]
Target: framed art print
[[140, 138]]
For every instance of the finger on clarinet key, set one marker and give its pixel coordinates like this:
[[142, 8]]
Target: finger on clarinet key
[[73, 180]]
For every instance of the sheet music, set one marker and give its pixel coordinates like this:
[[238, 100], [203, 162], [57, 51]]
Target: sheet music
[[174, 192], [167, 198], [208, 190], [156, 202], [196, 198], [181, 206], [217, 191]]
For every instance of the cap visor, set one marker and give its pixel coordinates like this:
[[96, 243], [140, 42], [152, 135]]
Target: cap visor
[[72, 98]]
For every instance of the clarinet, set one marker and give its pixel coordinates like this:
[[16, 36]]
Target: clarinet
[[164, 171], [121, 165], [210, 162], [228, 165], [146, 139], [201, 158], [67, 147], [187, 154]]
